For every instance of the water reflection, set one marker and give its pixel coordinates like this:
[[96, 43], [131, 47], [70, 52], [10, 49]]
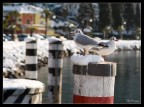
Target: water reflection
[[127, 83]]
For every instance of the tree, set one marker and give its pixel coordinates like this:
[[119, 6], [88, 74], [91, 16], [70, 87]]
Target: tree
[[117, 14], [129, 15], [5, 24], [86, 12], [137, 20], [32, 29], [64, 12], [137, 16], [46, 14], [105, 18], [10, 22]]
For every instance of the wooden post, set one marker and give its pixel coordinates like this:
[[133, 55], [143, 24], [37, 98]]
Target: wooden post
[[31, 59], [55, 64], [94, 83]]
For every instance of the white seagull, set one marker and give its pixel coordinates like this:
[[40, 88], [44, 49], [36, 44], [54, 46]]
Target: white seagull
[[89, 44], [105, 48], [84, 41]]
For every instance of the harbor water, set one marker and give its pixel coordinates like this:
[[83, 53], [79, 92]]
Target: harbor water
[[127, 80]]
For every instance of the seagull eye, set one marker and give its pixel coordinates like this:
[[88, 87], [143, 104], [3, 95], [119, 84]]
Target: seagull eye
[[77, 31]]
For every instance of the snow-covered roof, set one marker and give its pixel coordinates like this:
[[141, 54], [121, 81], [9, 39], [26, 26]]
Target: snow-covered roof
[[23, 8]]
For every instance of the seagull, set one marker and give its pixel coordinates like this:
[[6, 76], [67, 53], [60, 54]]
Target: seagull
[[105, 48], [91, 45], [84, 41]]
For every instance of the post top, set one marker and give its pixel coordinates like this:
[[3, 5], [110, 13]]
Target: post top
[[33, 86], [81, 60], [30, 39], [55, 40]]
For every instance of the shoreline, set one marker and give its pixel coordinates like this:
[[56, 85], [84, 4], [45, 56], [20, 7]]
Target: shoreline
[[14, 54]]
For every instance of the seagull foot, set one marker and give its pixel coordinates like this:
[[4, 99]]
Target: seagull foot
[[82, 53]]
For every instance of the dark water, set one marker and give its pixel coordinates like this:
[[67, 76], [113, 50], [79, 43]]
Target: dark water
[[127, 80]]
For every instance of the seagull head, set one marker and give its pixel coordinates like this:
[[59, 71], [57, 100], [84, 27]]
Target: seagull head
[[113, 39], [77, 31]]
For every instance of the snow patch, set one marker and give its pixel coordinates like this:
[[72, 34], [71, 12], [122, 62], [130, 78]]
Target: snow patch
[[21, 84], [84, 60], [53, 39]]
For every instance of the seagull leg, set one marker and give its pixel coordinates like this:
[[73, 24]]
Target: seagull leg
[[86, 52], [81, 52], [104, 58]]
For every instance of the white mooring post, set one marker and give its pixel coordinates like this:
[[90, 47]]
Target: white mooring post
[[94, 83], [29, 90], [55, 65], [22, 91], [31, 60]]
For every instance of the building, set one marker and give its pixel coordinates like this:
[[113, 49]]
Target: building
[[30, 17]]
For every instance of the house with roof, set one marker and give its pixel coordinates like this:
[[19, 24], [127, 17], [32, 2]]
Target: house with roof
[[30, 17]]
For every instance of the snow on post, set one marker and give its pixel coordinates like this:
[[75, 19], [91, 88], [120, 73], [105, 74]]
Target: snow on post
[[22, 91], [55, 64], [31, 59], [94, 79]]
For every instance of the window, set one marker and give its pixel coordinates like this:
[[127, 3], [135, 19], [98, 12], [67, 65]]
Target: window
[[28, 21]]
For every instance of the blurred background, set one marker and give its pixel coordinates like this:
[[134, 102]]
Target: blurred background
[[103, 20]]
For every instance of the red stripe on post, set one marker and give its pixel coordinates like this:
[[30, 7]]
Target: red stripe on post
[[94, 100]]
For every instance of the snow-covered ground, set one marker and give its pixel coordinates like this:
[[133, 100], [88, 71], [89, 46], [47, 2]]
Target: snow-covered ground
[[14, 53]]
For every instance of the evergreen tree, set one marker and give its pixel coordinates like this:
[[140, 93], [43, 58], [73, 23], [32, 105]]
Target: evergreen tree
[[46, 14], [10, 22], [86, 12], [129, 15], [64, 12], [117, 14], [137, 16], [105, 18], [137, 21]]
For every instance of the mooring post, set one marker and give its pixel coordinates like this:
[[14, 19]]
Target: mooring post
[[31, 59], [55, 65], [94, 83], [22, 91], [28, 90]]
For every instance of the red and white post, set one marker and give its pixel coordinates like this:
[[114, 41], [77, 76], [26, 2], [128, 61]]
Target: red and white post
[[94, 83]]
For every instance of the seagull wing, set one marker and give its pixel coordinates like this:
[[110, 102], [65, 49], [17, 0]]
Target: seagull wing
[[101, 45], [85, 40]]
